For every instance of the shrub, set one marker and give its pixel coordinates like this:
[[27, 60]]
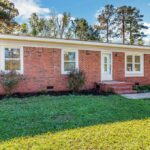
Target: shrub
[[141, 88], [10, 80], [76, 80]]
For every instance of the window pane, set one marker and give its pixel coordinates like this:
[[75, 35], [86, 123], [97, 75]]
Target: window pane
[[105, 60], [137, 59], [105, 67], [129, 67], [129, 59], [12, 64], [69, 66], [109, 68], [7, 53], [12, 53], [137, 67], [69, 56]]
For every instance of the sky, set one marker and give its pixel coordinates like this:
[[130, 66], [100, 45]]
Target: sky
[[78, 8]]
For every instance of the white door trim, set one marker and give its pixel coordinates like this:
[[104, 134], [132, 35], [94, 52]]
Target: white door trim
[[102, 66]]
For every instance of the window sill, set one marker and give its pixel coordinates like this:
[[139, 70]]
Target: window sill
[[65, 73], [7, 71], [134, 75]]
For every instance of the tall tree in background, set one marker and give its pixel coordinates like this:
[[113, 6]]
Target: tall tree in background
[[70, 32], [7, 14], [93, 34], [106, 21], [37, 24], [55, 26], [124, 22], [63, 23], [129, 24], [51, 27], [24, 28], [81, 28], [135, 26], [60, 25], [121, 18], [34, 23]]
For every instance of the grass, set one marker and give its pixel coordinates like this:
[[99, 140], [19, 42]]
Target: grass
[[74, 122]]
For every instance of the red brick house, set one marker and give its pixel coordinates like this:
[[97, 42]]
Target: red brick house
[[45, 62]]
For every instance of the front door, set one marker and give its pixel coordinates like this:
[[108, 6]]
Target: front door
[[106, 68]]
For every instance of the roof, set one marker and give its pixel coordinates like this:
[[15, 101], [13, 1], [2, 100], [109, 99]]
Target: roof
[[65, 41]]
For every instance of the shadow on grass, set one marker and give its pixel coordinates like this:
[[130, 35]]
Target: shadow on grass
[[38, 115]]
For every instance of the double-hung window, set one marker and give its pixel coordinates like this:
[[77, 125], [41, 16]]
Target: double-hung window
[[12, 59], [134, 65], [69, 60]]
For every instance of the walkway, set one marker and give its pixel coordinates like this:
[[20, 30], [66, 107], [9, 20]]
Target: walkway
[[137, 96]]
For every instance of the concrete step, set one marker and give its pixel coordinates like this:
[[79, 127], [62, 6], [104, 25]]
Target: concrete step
[[127, 87], [120, 84], [126, 92], [117, 87]]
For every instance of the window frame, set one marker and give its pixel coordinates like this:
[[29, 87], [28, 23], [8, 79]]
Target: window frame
[[134, 73], [2, 58], [63, 61]]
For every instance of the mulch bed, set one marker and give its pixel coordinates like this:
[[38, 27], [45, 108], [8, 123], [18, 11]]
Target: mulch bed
[[54, 93]]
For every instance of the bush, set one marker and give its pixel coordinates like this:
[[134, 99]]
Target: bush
[[141, 88], [76, 80], [10, 80]]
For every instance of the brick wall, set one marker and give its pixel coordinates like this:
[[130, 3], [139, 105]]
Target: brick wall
[[118, 66], [42, 68], [119, 69], [89, 62]]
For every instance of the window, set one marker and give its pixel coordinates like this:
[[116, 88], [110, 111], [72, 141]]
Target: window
[[69, 60], [12, 59], [134, 64]]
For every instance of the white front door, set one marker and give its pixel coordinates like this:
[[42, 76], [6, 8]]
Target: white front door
[[106, 66]]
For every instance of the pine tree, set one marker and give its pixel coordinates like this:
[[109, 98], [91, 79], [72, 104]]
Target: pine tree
[[121, 19], [128, 20], [135, 26], [106, 21]]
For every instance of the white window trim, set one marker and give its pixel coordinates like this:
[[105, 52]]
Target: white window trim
[[134, 73], [62, 60], [2, 58]]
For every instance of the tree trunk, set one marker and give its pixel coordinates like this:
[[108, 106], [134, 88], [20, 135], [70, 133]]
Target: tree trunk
[[62, 32], [131, 35], [107, 33], [123, 29]]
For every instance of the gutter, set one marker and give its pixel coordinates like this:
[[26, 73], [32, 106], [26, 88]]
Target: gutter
[[75, 42]]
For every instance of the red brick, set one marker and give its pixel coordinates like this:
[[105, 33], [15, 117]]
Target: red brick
[[119, 69], [42, 68]]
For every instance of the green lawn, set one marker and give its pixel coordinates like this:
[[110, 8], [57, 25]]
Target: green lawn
[[74, 122]]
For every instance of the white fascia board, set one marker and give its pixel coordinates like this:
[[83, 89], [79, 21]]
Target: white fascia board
[[75, 42]]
